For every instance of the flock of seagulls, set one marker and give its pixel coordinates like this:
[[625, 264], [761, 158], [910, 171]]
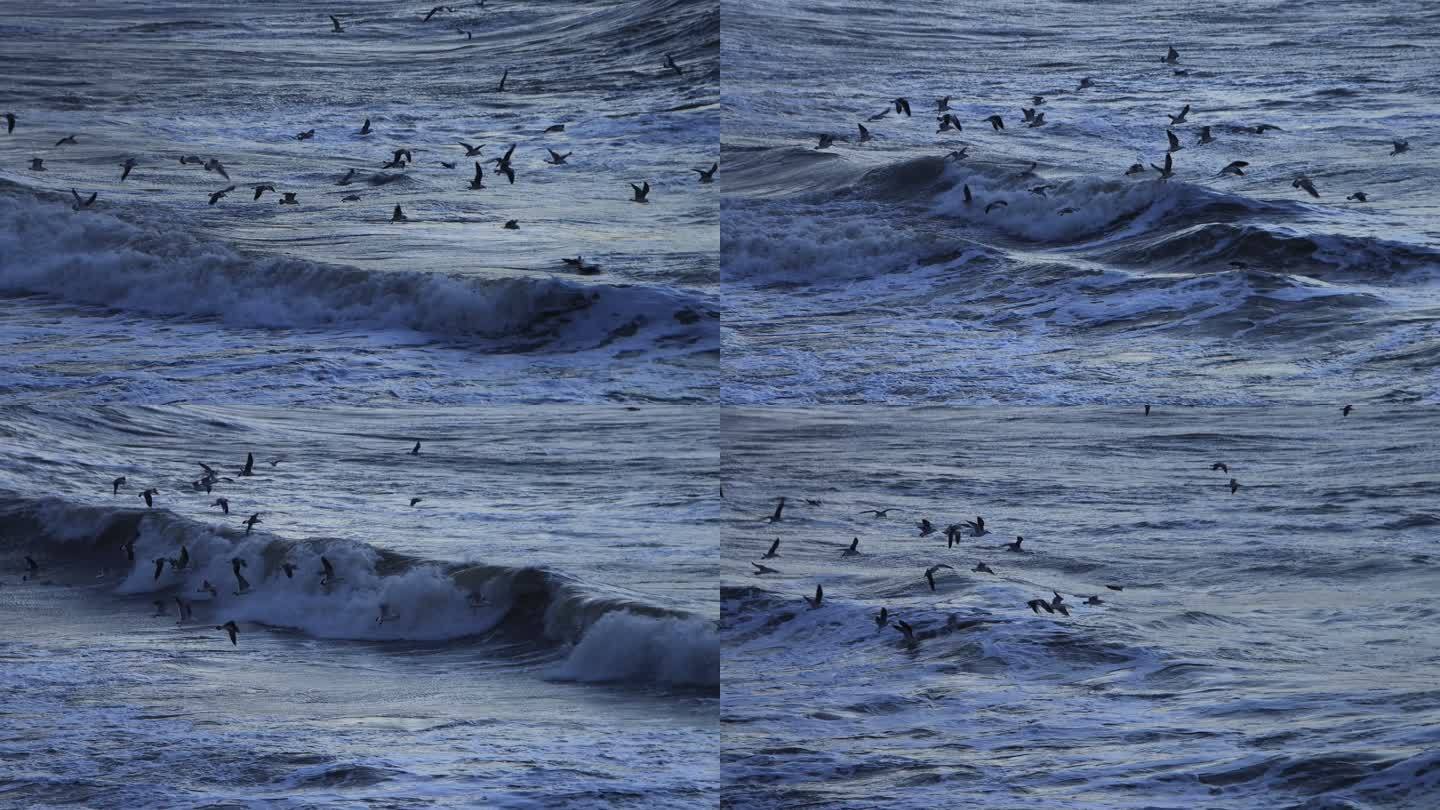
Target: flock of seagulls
[[208, 481], [954, 534], [1033, 117], [401, 158]]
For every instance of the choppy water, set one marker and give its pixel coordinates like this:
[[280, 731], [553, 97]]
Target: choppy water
[[153, 288], [1272, 648], [859, 274], [549, 639]]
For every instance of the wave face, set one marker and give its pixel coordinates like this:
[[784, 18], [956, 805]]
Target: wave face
[[1269, 648], [1063, 278], [599, 637], [107, 261]]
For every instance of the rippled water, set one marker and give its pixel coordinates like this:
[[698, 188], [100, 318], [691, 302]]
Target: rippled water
[[317, 291], [1271, 648], [858, 273], [548, 636]]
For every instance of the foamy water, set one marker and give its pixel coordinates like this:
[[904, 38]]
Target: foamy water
[[532, 618]]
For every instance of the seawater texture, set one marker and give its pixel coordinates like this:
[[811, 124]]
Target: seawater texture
[[521, 633], [1274, 647], [153, 295], [859, 274]]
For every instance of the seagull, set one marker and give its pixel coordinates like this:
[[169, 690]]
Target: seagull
[[853, 550], [779, 508], [511, 225], [982, 568], [883, 617], [826, 141], [773, 552], [350, 198], [1038, 604], [1135, 168], [433, 12], [1116, 587], [500, 88], [399, 216], [1304, 182], [305, 136], [214, 165], [1028, 113], [344, 181], [641, 192], [557, 159], [942, 104], [116, 484], [1015, 546], [1260, 129], [231, 629], [261, 189], [902, 105], [414, 451], [763, 569], [976, 526], [1169, 170], [1037, 100], [1234, 168], [709, 177], [251, 521], [959, 155], [206, 587], [930, 573], [365, 127], [126, 167], [1234, 485], [149, 496], [905, 628], [37, 165], [1084, 83], [218, 195], [925, 526], [996, 122], [879, 513], [1179, 119], [335, 21], [9, 123], [479, 180], [1205, 136], [949, 122], [1220, 466], [1174, 141], [502, 164], [815, 601], [414, 501], [471, 151], [554, 128], [289, 198], [670, 63], [1400, 147], [1094, 600], [1359, 196], [1171, 57], [68, 139], [1038, 120], [1345, 411], [327, 575], [31, 567], [996, 204]]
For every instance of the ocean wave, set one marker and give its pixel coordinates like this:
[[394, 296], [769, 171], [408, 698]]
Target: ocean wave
[[600, 634], [133, 265]]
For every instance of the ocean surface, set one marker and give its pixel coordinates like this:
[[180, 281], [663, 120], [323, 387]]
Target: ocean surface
[[548, 608], [153, 295], [858, 273], [1271, 648]]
